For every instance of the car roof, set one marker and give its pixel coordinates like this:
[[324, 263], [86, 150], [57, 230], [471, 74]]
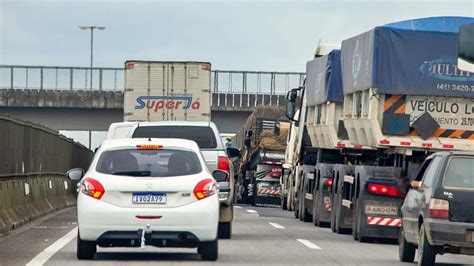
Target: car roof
[[177, 123], [447, 153], [165, 142]]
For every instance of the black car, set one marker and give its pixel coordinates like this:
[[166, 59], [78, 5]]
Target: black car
[[438, 211]]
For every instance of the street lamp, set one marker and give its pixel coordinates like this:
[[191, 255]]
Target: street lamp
[[92, 28]]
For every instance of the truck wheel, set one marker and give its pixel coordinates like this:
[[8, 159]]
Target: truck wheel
[[338, 215], [300, 209], [85, 249], [320, 212], [283, 204], [333, 217], [225, 230], [426, 253], [306, 216], [209, 250], [337, 220], [315, 211], [362, 239], [355, 221], [406, 251], [296, 211]]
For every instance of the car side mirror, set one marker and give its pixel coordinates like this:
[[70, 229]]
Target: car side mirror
[[75, 174], [466, 47], [220, 176], [233, 152], [290, 110]]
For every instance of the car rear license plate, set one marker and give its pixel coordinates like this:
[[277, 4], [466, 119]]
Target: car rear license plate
[[148, 198], [382, 210]]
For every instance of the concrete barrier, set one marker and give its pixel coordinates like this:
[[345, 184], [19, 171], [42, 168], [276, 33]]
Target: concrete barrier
[[33, 162], [24, 198]]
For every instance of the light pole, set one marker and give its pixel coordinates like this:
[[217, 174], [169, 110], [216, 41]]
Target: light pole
[[92, 28]]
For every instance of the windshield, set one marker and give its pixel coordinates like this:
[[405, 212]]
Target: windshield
[[203, 136], [459, 173], [154, 163]]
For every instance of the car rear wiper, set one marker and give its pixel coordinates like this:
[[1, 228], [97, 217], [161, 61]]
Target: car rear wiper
[[133, 173]]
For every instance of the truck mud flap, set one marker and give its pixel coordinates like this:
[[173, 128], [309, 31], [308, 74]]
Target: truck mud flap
[[380, 218]]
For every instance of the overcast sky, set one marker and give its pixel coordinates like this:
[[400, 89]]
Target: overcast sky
[[237, 35]]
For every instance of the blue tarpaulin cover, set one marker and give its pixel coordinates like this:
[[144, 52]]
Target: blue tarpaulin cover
[[413, 57], [323, 79]]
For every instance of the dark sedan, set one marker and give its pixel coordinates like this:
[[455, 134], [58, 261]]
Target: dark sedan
[[438, 211]]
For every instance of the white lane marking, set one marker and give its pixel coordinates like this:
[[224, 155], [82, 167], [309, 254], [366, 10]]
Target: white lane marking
[[238, 207], [308, 243], [48, 252], [50, 227], [252, 211], [276, 225]]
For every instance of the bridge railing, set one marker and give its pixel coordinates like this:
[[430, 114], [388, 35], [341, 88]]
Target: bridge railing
[[110, 78]]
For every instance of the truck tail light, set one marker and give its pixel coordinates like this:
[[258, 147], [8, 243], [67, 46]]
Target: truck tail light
[[204, 189], [384, 190], [439, 209], [92, 188], [328, 182], [223, 164]]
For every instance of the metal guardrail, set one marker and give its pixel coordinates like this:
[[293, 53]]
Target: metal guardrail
[[110, 78]]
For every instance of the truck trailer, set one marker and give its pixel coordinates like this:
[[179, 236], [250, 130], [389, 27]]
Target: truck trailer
[[170, 99], [262, 142], [403, 99]]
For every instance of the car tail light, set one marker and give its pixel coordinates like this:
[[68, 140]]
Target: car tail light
[[385, 190], [223, 164], [92, 188], [439, 209], [328, 182], [204, 189]]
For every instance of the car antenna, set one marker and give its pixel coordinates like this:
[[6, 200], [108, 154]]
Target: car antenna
[[149, 133]]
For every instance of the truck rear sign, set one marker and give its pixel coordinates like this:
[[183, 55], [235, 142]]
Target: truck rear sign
[[155, 103], [450, 113], [381, 210]]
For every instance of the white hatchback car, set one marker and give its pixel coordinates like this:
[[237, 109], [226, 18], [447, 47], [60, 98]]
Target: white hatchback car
[[140, 192]]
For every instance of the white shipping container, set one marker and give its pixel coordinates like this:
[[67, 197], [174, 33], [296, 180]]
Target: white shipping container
[[167, 91]]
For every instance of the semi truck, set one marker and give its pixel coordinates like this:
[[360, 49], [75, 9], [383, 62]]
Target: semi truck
[[262, 142], [403, 99], [298, 142], [164, 99]]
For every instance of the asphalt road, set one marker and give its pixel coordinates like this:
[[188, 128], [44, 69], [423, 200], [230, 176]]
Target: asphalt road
[[260, 236]]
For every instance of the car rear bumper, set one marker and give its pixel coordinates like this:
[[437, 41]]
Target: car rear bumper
[[451, 234], [153, 238], [95, 218]]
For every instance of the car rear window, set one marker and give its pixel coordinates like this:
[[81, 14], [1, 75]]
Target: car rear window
[[154, 163], [203, 136], [460, 173]]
